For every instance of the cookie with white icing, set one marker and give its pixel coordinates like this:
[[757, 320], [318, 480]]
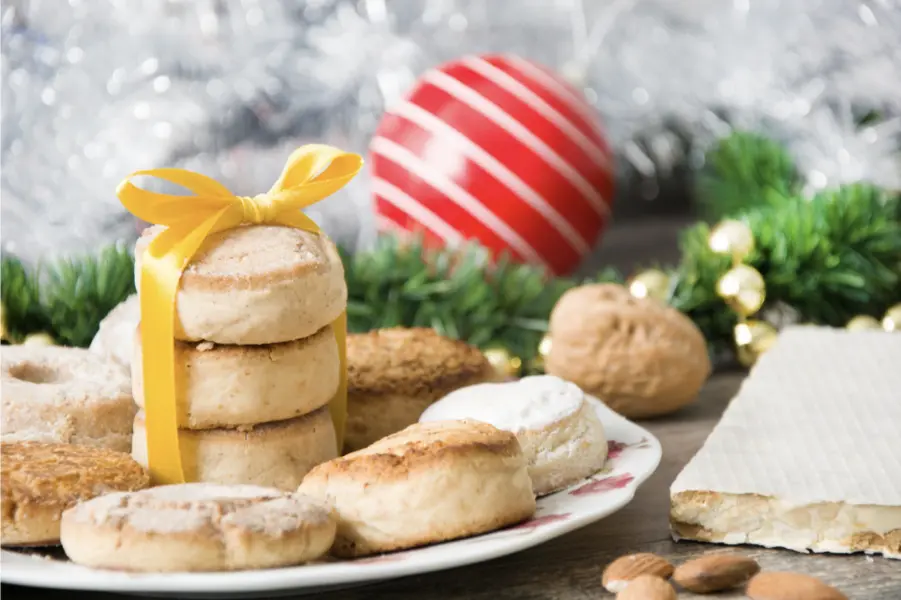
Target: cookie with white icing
[[429, 483], [64, 395], [197, 527], [256, 284], [276, 454], [558, 429], [114, 338]]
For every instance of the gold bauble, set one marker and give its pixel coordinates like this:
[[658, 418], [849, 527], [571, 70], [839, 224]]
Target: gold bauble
[[743, 288], [505, 364], [892, 319], [544, 349], [753, 338], [38, 339], [732, 238], [863, 323], [651, 283], [2, 322]]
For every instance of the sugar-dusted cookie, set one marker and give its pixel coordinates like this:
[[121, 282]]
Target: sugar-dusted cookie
[[65, 395], [429, 483], [197, 527], [257, 284], [560, 434], [395, 374], [230, 386], [39, 481], [276, 454], [115, 337]]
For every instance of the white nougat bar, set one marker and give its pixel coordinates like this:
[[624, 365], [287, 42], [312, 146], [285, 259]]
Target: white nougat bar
[[808, 454]]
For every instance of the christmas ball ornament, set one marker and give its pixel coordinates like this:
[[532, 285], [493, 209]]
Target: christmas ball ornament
[[544, 349], [752, 339], [498, 150], [2, 322], [743, 289], [652, 283], [863, 323], [504, 363], [732, 238], [892, 319], [38, 339]]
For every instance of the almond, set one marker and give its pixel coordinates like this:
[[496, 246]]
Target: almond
[[626, 568], [715, 573], [647, 587], [790, 586]]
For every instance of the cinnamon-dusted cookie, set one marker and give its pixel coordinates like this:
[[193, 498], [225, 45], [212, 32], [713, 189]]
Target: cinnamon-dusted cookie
[[197, 527], [559, 431], [39, 481], [276, 454], [640, 357], [395, 374], [65, 395], [231, 386], [429, 483], [256, 284]]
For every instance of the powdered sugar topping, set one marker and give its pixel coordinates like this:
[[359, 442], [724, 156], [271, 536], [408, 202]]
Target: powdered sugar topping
[[527, 404]]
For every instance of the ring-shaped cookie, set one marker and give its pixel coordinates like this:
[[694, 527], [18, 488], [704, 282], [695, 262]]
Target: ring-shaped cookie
[[65, 395]]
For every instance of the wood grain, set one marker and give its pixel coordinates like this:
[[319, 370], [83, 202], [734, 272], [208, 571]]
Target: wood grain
[[570, 567]]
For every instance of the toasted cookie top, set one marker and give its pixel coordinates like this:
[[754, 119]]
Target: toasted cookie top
[[61, 474], [415, 361], [422, 445]]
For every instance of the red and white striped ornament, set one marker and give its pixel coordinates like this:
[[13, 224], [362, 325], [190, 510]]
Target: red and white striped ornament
[[500, 150]]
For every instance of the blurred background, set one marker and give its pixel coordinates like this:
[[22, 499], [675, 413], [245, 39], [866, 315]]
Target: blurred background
[[95, 89]]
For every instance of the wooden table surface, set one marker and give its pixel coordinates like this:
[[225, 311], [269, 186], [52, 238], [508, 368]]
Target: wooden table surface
[[570, 567]]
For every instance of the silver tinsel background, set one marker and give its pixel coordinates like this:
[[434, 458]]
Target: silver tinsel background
[[94, 89]]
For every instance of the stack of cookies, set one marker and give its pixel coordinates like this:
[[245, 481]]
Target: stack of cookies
[[256, 357]]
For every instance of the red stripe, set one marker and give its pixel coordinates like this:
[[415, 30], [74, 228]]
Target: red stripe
[[527, 165], [458, 218], [401, 219], [541, 127], [531, 225], [555, 101]]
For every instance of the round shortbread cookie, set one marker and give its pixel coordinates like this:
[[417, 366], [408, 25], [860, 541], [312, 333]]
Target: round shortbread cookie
[[39, 481], [116, 333], [197, 527], [65, 395], [559, 431], [231, 386], [429, 483], [395, 374], [256, 284], [275, 454]]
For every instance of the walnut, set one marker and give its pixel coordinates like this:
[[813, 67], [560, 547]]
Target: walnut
[[640, 357]]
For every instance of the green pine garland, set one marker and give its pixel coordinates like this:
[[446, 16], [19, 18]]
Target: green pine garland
[[67, 299], [830, 257]]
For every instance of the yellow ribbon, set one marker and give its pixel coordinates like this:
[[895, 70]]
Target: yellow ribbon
[[312, 173]]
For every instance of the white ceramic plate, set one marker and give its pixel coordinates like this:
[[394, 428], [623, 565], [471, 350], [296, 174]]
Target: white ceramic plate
[[634, 455]]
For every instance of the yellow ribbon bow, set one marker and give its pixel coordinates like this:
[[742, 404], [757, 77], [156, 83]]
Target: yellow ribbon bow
[[312, 173]]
